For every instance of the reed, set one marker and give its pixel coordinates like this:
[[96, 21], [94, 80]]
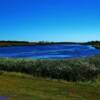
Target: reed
[[70, 70]]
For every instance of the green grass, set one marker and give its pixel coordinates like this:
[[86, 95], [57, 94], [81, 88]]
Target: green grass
[[44, 79], [19, 86]]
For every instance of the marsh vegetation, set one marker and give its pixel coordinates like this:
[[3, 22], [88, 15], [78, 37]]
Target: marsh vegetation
[[71, 69]]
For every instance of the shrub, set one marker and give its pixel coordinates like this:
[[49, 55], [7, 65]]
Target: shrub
[[71, 70]]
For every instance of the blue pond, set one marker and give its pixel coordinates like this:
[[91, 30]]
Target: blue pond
[[56, 51]]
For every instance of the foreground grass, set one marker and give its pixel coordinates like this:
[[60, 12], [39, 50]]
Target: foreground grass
[[18, 86]]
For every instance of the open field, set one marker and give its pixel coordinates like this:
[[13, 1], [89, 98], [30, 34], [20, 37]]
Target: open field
[[17, 86]]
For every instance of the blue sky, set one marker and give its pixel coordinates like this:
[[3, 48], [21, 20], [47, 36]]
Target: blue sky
[[50, 20]]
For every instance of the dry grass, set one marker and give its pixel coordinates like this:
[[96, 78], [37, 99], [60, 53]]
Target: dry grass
[[16, 87]]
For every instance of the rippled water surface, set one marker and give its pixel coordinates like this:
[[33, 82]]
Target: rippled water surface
[[57, 51]]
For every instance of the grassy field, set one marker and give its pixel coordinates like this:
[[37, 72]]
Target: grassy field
[[45, 79], [18, 86]]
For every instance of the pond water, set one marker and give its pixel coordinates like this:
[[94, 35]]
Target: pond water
[[56, 51]]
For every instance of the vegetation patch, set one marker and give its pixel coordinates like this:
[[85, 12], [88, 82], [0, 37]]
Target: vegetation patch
[[45, 89], [70, 70]]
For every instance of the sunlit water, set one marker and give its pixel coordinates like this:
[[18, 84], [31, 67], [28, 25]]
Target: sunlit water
[[58, 51]]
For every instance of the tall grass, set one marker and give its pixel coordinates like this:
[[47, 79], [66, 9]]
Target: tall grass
[[71, 70]]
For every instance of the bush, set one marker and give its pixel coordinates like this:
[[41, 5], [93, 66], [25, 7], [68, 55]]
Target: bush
[[71, 70]]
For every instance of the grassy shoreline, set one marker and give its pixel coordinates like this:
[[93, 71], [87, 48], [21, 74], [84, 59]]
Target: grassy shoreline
[[95, 44], [82, 69], [69, 79]]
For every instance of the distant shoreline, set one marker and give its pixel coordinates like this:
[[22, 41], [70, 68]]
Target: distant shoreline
[[95, 44]]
